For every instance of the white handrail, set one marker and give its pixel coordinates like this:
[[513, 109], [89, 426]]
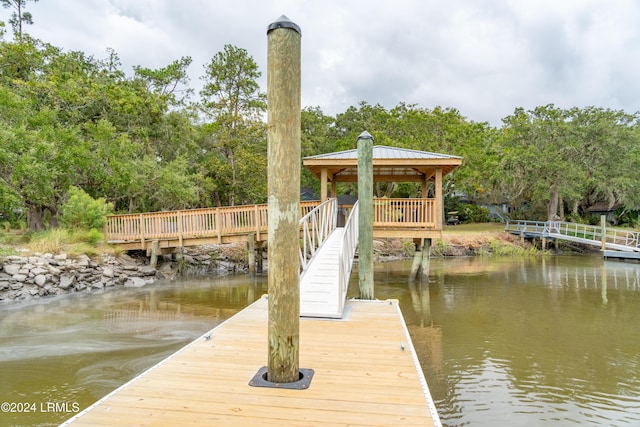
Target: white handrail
[[316, 226], [618, 239], [347, 253]]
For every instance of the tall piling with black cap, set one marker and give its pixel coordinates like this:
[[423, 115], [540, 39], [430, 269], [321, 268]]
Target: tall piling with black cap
[[365, 215], [283, 116]]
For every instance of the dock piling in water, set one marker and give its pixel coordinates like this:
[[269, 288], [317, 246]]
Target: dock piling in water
[[365, 215]]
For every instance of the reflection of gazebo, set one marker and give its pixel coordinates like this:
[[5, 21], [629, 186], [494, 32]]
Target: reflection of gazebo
[[406, 218]]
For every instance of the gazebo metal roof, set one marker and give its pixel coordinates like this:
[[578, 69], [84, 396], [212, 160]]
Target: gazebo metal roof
[[389, 164]]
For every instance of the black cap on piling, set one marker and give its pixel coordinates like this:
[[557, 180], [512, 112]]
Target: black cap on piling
[[284, 22], [365, 135]]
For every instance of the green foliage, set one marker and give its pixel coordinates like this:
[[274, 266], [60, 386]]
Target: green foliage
[[624, 217], [7, 252], [91, 237], [468, 212], [440, 248], [234, 145], [71, 120], [81, 211]]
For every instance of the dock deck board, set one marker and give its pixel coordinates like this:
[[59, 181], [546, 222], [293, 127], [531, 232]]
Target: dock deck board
[[363, 377]]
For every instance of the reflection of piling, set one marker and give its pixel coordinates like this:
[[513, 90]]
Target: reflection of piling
[[283, 96], [365, 215], [603, 232]]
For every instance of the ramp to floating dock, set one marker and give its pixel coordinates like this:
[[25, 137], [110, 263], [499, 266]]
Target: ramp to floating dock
[[366, 374], [320, 291]]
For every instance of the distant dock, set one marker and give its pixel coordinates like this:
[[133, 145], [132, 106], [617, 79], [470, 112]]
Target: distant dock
[[366, 373]]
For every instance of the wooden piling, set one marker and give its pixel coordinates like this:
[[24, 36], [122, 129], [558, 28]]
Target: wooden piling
[[155, 250], [417, 260], [283, 116], [251, 253], [426, 258], [259, 257], [365, 215]]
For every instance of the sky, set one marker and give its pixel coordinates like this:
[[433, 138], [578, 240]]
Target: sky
[[484, 58]]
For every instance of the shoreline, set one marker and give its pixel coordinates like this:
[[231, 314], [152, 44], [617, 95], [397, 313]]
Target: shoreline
[[33, 276]]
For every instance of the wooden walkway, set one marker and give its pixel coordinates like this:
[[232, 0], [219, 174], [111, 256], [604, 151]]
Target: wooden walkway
[[363, 377]]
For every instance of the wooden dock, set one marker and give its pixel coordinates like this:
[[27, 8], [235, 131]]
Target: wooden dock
[[366, 373]]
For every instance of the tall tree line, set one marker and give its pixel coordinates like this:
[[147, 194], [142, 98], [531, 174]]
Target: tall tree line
[[146, 142]]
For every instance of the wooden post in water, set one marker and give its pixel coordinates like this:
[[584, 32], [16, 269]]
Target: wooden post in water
[[155, 249], [251, 253], [365, 215], [417, 260], [426, 258], [603, 232], [283, 116]]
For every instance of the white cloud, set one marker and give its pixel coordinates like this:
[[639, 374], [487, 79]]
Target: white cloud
[[484, 58]]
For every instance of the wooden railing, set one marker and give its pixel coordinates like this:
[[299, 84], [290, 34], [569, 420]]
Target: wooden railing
[[218, 223], [193, 223], [401, 213]]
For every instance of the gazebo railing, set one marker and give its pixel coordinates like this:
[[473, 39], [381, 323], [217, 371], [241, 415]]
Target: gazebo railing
[[409, 213]]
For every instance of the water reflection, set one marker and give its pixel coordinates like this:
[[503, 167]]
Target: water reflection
[[77, 348], [503, 342], [550, 341]]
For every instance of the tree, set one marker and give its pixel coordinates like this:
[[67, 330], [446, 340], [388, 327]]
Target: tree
[[168, 82], [231, 99], [83, 212], [608, 152], [18, 17], [555, 158]]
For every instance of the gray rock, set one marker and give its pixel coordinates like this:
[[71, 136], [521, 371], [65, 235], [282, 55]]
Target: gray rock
[[38, 271], [146, 270], [60, 257], [12, 269], [66, 281], [108, 272], [20, 277], [83, 261], [135, 282], [40, 280]]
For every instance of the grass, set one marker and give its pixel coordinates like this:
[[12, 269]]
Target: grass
[[73, 243], [498, 248], [476, 227], [8, 251]]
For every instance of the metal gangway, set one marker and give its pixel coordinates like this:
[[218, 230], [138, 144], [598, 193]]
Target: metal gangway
[[326, 260], [608, 238]]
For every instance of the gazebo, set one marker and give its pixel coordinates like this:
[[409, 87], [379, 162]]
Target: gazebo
[[417, 218]]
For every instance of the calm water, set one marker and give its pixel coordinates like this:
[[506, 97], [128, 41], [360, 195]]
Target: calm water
[[539, 342]]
